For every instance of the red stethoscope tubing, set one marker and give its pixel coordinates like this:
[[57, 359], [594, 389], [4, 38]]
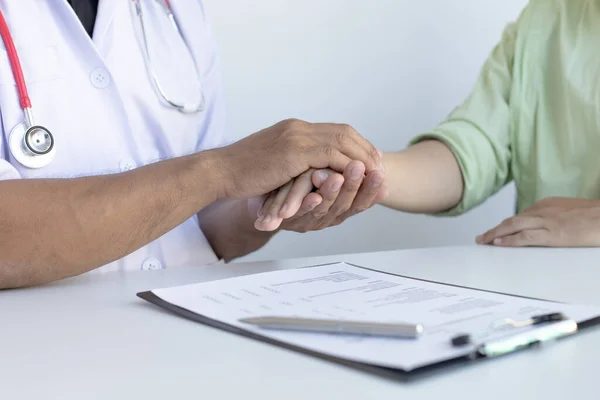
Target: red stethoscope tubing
[[15, 63]]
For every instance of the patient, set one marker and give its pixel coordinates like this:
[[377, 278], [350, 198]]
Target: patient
[[533, 117]]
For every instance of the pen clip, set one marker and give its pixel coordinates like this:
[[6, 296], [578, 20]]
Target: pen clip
[[464, 339], [527, 339]]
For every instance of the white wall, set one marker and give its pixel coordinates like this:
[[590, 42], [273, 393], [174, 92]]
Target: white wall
[[390, 68]]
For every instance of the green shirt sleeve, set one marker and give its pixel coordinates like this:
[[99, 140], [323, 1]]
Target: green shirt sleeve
[[478, 131]]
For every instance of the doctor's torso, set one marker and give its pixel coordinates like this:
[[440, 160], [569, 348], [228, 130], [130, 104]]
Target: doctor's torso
[[95, 96]]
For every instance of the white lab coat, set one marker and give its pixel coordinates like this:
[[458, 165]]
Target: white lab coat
[[96, 98]]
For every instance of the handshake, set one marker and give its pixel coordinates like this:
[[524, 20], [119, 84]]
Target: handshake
[[302, 176]]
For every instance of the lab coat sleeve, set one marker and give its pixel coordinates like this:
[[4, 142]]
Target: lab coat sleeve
[[8, 171], [478, 131], [214, 131]]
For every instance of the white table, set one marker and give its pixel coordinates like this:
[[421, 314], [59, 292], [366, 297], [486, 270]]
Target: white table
[[90, 337]]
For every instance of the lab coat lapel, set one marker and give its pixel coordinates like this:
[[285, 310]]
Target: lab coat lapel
[[106, 11]]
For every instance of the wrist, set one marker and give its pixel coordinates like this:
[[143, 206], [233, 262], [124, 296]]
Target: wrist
[[207, 171]]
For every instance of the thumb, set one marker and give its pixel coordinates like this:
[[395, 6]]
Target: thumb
[[320, 176]]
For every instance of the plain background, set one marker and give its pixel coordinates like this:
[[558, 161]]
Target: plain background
[[390, 68]]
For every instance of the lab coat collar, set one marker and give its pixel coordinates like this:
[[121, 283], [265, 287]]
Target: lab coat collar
[[106, 12]]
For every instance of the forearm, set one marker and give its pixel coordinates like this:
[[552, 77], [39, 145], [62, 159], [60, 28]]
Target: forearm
[[56, 228], [229, 228], [424, 178]]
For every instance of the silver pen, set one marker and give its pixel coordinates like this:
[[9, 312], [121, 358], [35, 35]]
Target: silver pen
[[317, 325]]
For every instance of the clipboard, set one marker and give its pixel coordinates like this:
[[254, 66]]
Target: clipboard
[[398, 374]]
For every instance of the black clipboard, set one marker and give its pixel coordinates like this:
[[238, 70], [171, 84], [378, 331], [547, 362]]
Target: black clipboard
[[390, 373]]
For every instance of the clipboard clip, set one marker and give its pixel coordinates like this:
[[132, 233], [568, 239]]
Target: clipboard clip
[[558, 327], [528, 339]]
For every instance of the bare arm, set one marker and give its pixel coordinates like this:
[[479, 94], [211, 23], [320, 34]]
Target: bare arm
[[424, 178], [56, 228]]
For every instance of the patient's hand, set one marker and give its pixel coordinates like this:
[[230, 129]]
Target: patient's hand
[[296, 206], [552, 222]]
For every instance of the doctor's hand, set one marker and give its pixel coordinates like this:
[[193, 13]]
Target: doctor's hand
[[267, 160], [298, 207], [553, 222]]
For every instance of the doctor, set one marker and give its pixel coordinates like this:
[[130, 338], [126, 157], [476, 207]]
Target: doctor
[[114, 154]]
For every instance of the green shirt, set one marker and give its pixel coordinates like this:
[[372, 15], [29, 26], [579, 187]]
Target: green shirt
[[534, 114]]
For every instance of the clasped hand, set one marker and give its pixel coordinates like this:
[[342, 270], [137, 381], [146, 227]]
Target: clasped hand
[[301, 176], [321, 198]]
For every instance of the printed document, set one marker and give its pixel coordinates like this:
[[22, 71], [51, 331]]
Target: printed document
[[343, 291]]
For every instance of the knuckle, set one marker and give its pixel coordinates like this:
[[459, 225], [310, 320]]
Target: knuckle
[[299, 227], [351, 186], [374, 153], [360, 208], [319, 214], [292, 131], [511, 222], [293, 124], [341, 137], [339, 220], [347, 129], [330, 151], [527, 236], [338, 209]]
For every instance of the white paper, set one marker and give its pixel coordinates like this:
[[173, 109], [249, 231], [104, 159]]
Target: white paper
[[345, 291]]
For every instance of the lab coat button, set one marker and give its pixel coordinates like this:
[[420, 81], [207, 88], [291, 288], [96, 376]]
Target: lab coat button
[[151, 263], [100, 78]]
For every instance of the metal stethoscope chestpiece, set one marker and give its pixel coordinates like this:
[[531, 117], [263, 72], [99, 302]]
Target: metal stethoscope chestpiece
[[32, 145], [38, 140]]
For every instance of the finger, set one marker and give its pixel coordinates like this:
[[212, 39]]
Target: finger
[[266, 221], [329, 192], [365, 198], [353, 177], [329, 156], [351, 144], [511, 226], [301, 188], [310, 202], [277, 202], [319, 177], [528, 237], [265, 204]]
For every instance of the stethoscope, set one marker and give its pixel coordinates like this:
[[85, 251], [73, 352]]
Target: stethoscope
[[34, 145], [187, 108]]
